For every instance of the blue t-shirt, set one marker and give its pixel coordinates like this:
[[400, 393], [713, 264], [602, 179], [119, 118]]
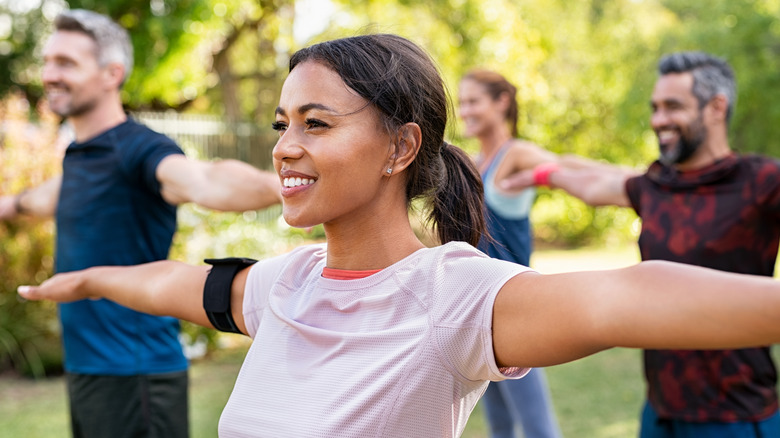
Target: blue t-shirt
[[111, 213], [507, 219]]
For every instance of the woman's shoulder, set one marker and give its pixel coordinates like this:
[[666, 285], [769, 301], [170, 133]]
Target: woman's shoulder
[[459, 279], [453, 250], [522, 143], [297, 258], [461, 258]]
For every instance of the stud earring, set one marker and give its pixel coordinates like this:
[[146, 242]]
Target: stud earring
[[389, 170]]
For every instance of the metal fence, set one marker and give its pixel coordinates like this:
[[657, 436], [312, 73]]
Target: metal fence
[[208, 137]]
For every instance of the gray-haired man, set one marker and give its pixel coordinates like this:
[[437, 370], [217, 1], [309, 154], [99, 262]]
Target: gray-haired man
[[115, 204]]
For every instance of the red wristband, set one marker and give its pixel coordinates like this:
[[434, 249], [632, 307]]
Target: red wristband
[[542, 173]]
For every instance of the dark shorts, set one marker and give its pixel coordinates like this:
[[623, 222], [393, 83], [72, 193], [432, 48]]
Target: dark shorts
[[148, 406], [654, 427]]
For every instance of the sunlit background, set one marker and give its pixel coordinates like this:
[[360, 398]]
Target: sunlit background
[[208, 73]]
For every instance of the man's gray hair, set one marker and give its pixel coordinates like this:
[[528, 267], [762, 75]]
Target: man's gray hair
[[112, 40], [711, 76]]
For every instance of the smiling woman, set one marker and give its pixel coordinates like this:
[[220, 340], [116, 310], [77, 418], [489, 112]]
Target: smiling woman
[[487, 103], [320, 145], [372, 334]]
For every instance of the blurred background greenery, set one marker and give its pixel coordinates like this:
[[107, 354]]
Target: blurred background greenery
[[584, 70]]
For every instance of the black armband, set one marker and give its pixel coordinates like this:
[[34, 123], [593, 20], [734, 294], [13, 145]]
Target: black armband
[[216, 291]]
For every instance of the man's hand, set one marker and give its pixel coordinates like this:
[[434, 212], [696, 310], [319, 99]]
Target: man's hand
[[517, 181], [62, 288], [8, 207]]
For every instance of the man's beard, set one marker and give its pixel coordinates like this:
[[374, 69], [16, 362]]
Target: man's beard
[[689, 142], [73, 108]]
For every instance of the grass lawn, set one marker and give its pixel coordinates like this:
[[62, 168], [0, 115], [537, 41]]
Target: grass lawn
[[597, 397]]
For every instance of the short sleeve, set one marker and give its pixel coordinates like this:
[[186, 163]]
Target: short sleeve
[[767, 177], [144, 152], [462, 311], [153, 159], [258, 285], [634, 192], [265, 274]]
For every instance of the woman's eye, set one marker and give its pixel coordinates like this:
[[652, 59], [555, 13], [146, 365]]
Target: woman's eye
[[279, 126], [314, 123]]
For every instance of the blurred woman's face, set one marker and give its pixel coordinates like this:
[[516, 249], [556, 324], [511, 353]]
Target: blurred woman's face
[[479, 112], [332, 152]]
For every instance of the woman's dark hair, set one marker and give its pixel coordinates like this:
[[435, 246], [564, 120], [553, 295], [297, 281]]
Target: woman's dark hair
[[496, 85], [401, 81]]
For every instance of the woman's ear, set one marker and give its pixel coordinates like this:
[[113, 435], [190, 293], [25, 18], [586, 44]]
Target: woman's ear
[[504, 100], [407, 144]]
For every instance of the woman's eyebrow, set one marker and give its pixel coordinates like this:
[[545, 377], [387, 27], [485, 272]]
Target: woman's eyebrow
[[305, 108]]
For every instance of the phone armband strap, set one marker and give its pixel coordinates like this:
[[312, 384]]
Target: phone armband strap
[[216, 292]]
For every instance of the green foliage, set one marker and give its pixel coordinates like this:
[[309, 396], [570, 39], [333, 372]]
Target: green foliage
[[747, 34], [28, 331], [20, 31], [584, 70], [564, 220]]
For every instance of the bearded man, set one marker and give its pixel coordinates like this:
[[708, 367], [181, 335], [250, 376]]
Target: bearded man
[[702, 204]]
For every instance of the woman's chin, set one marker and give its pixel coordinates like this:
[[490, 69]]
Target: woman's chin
[[298, 221]]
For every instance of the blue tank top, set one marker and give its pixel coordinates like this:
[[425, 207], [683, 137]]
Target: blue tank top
[[507, 219], [110, 212]]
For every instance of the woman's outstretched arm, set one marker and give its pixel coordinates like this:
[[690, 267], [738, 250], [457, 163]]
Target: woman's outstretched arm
[[166, 287], [541, 320]]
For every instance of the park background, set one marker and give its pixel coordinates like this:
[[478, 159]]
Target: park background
[[208, 73]]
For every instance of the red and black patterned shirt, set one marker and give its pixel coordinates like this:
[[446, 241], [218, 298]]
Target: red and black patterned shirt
[[725, 216]]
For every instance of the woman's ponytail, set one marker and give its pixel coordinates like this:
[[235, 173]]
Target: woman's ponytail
[[457, 210]]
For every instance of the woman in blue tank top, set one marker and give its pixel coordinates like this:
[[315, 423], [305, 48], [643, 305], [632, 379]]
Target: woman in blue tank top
[[488, 108]]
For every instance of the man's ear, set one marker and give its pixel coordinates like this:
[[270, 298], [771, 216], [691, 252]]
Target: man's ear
[[407, 144], [719, 105], [114, 74]]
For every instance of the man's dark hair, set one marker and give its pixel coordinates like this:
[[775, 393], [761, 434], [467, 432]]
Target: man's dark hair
[[711, 76]]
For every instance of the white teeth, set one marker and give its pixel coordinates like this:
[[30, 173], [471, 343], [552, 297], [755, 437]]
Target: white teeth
[[295, 182], [666, 135]]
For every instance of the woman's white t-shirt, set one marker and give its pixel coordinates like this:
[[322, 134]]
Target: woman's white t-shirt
[[405, 352]]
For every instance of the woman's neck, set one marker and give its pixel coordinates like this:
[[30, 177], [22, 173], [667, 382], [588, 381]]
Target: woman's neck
[[375, 241], [380, 250], [489, 145]]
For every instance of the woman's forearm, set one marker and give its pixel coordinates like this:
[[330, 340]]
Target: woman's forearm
[[160, 288], [669, 305]]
